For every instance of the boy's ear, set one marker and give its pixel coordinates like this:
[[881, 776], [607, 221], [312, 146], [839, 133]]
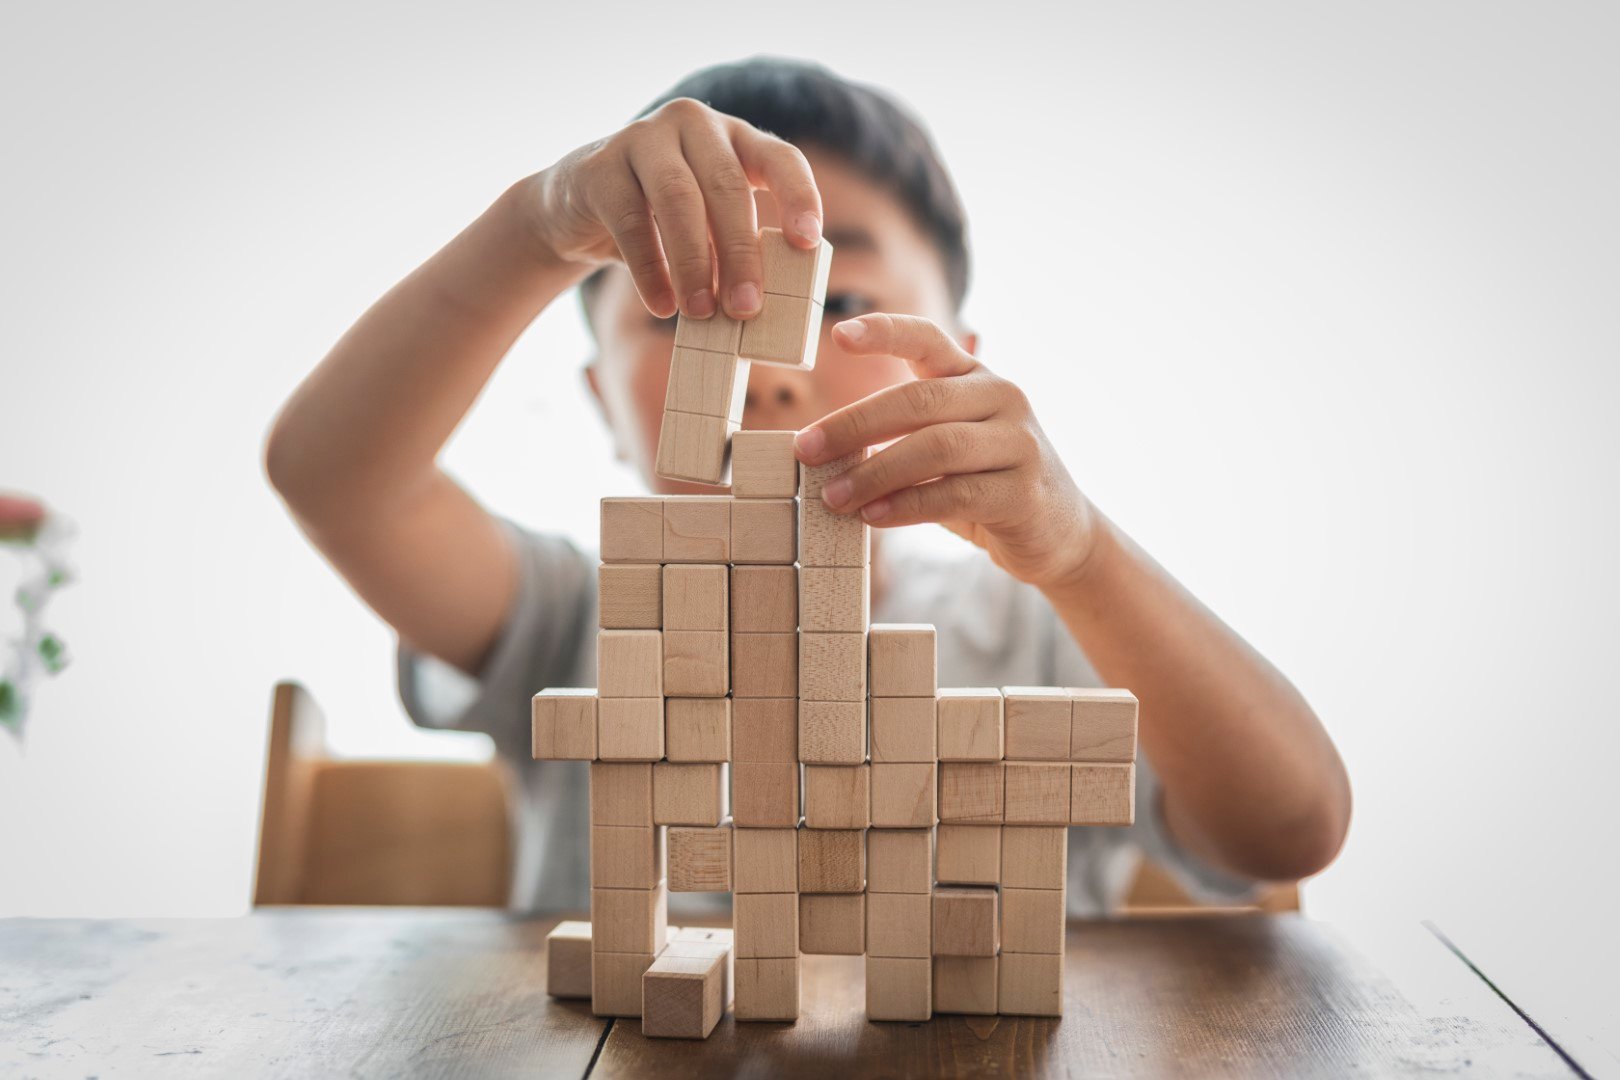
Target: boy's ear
[[620, 451]]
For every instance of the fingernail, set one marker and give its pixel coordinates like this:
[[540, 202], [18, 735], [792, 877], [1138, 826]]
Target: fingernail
[[876, 510], [810, 442], [836, 493], [809, 227], [700, 305], [854, 329], [745, 298]]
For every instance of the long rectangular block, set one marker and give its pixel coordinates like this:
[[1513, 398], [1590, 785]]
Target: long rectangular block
[[765, 860], [1102, 794], [832, 860], [832, 732], [697, 663], [1030, 984], [763, 465], [696, 596], [632, 530], [966, 985], [835, 599], [1034, 856], [688, 794], [902, 660], [832, 925], [563, 724], [899, 988], [972, 792], [629, 596], [965, 921], [903, 795], [764, 531], [837, 797], [1032, 920], [832, 667], [764, 730], [568, 960], [695, 448], [1037, 793], [697, 729], [629, 663], [630, 729], [1102, 725], [697, 529], [899, 924], [765, 599], [969, 724], [968, 854], [621, 793], [699, 858], [765, 794], [1038, 720], [626, 856], [766, 924], [904, 730], [900, 861], [767, 989], [765, 665], [629, 920]]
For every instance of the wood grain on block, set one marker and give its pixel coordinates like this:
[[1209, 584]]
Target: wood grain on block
[[632, 531], [1037, 792], [568, 960], [629, 596], [832, 860], [899, 924], [621, 793], [630, 729], [900, 860], [765, 795], [793, 271], [831, 925], [765, 531], [697, 663], [766, 924], [688, 794], [829, 539], [616, 982], [629, 920], [563, 725], [697, 529], [764, 730], [832, 667], [767, 989], [1102, 794], [718, 333], [1037, 719], [786, 332], [1034, 856], [834, 599], [837, 797], [832, 732], [699, 858], [812, 478], [904, 795], [704, 942], [697, 729], [706, 383], [763, 465], [903, 729], [765, 665], [899, 988], [968, 854], [965, 985], [626, 856], [764, 599], [903, 662], [1030, 984], [1032, 920], [629, 663], [972, 792], [697, 597], [765, 860], [969, 724], [682, 996], [695, 448], [965, 921], [1103, 725]]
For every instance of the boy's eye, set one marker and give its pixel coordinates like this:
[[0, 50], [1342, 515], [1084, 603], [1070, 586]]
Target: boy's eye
[[847, 305]]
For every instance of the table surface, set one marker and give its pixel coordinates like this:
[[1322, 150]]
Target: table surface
[[391, 992]]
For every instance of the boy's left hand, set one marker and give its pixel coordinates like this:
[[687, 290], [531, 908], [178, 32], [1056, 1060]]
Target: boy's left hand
[[970, 455]]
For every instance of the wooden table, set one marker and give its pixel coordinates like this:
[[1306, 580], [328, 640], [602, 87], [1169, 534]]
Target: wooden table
[[390, 992]]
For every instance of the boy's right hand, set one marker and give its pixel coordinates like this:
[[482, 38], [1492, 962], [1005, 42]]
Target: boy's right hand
[[653, 194]]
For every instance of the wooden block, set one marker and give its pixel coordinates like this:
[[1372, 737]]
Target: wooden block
[[812, 478], [688, 794], [899, 988], [1037, 793], [765, 665], [766, 924], [629, 596], [1032, 920], [832, 925], [765, 860], [699, 858], [706, 383], [832, 860], [829, 539], [965, 985], [793, 271], [784, 333], [626, 856], [697, 529], [621, 794], [832, 667], [1102, 725], [971, 792], [629, 920], [968, 854], [903, 729], [695, 448], [720, 934], [632, 530], [629, 663], [767, 989], [682, 997], [765, 531], [899, 924], [630, 729], [563, 725], [903, 795], [568, 960], [1102, 794], [1034, 856], [965, 921], [718, 333], [900, 861], [707, 942], [1030, 984], [834, 599], [837, 797], [764, 730], [832, 732], [765, 795], [697, 597], [1037, 719], [616, 982], [902, 660], [765, 600], [697, 663], [763, 465], [697, 729], [969, 724]]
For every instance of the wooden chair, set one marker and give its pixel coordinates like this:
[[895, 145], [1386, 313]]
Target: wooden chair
[[438, 833]]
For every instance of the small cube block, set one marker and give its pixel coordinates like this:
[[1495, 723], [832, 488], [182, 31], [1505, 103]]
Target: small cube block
[[632, 530], [765, 665], [765, 860], [785, 332], [626, 856], [616, 982], [695, 448], [697, 663], [1030, 984], [630, 729], [1034, 856], [1038, 721], [971, 792], [899, 924], [706, 383], [832, 667], [764, 730], [688, 794], [903, 795], [965, 985], [964, 921], [832, 860], [832, 732], [763, 465], [563, 725], [968, 854], [834, 599], [969, 724], [829, 539], [899, 988], [1037, 793], [1102, 794], [682, 997], [629, 920], [1102, 725], [697, 529], [832, 925], [766, 924], [765, 600], [765, 794], [697, 729], [837, 797], [629, 596], [699, 858], [1032, 920], [903, 663], [767, 989], [697, 597], [793, 271], [718, 333], [629, 663], [568, 960], [900, 861], [764, 531], [904, 730], [621, 793]]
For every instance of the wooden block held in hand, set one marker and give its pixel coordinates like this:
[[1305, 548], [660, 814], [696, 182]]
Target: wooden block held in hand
[[632, 530], [1030, 984], [699, 858], [767, 989], [785, 332], [765, 794], [1102, 725], [697, 663], [765, 665], [1102, 794], [903, 663], [968, 854], [697, 729], [688, 794], [764, 531], [832, 925], [718, 333], [695, 448], [899, 988], [765, 860], [764, 730], [965, 921], [682, 997], [899, 924], [626, 856], [972, 792], [793, 271], [697, 529], [621, 793], [563, 725], [834, 599], [706, 383], [629, 920], [1037, 792], [900, 861], [697, 596], [904, 795], [629, 596], [568, 960], [1038, 720], [837, 797], [832, 667], [630, 729], [904, 730], [629, 663], [763, 465], [767, 925], [832, 860], [1034, 856], [832, 732], [966, 985], [1032, 920], [969, 724], [765, 600]]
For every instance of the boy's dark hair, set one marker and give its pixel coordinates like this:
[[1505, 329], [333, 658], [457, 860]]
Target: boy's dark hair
[[807, 105]]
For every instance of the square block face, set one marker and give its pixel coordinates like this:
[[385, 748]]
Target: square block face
[[765, 795], [764, 531], [688, 794], [632, 530], [765, 599], [900, 861], [812, 478], [629, 663], [785, 332], [1037, 723], [899, 988], [1102, 725], [899, 924], [965, 985], [834, 599], [629, 920], [696, 448], [697, 597], [794, 271], [832, 667], [1030, 985], [681, 996], [832, 732], [902, 660], [969, 724], [832, 925], [629, 596], [1037, 793], [1102, 794], [971, 792], [1032, 920], [964, 921], [765, 860], [968, 854], [837, 797], [630, 729], [765, 665], [832, 860], [621, 794], [766, 924], [697, 663], [764, 730], [903, 796], [697, 529], [616, 982], [563, 725], [697, 729], [706, 383], [626, 856], [767, 989], [903, 730], [829, 539], [1034, 856], [699, 859], [763, 465], [718, 333], [568, 960]]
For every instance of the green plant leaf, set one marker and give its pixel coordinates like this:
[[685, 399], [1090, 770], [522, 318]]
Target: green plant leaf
[[53, 651]]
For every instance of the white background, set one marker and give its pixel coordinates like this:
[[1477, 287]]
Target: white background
[[1318, 302]]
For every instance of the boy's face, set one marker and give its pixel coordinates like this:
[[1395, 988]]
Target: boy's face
[[881, 262]]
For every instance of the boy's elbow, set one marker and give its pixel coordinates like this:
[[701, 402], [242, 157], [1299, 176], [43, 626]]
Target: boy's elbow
[[283, 464], [1308, 843]]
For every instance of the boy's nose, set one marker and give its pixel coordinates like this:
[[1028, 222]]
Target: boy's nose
[[778, 399]]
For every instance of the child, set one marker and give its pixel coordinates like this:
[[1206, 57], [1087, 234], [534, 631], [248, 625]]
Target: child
[[1239, 783]]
